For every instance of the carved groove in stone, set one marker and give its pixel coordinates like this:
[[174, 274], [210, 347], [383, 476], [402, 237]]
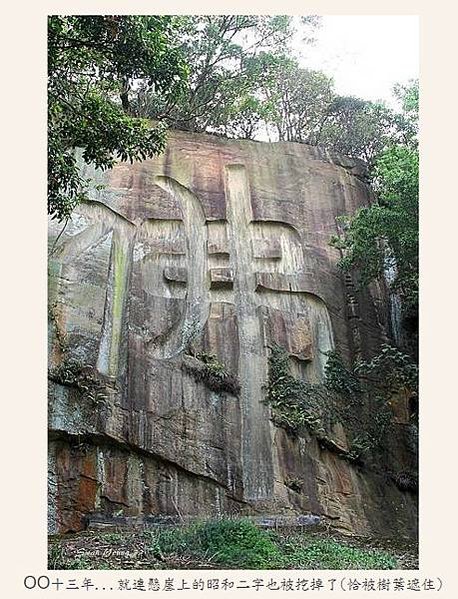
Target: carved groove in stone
[[166, 442], [256, 440], [313, 308], [195, 314], [116, 302]]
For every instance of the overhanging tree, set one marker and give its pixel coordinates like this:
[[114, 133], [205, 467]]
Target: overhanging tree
[[93, 62]]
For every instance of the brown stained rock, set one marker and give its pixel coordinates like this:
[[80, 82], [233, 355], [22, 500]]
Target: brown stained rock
[[114, 478], [77, 486], [126, 283], [290, 331], [221, 326]]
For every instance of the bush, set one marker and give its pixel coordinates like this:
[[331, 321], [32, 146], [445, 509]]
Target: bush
[[294, 403], [241, 544], [390, 370], [226, 543], [233, 543], [339, 378], [84, 378], [208, 369]]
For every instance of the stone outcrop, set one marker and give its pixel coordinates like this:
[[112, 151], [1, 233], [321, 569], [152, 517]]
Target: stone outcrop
[[217, 248]]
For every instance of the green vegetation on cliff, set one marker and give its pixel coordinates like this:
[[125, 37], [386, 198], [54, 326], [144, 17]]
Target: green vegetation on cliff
[[380, 241], [356, 398]]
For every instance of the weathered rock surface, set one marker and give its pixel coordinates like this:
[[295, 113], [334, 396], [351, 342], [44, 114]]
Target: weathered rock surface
[[216, 247]]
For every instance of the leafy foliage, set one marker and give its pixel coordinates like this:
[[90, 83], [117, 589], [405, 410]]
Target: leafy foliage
[[296, 100], [357, 398], [239, 543], [84, 378], [224, 543], [357, 128], [236, 543], [207, 368], [92, 63], [381, 240], [294, 403], [390, 369], [230, 74], [223, 53], [302, 106], [245, 80], [339, 378], [384, 235]]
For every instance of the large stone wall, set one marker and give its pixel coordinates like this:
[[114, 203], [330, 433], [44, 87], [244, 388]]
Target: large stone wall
[[216, 247]]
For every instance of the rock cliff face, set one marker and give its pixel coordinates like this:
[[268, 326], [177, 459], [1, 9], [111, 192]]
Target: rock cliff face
[[166, 291]]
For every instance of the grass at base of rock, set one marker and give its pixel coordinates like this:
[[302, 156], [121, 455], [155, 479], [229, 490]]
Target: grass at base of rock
[[232, 543], [223, 544], [328, 554]]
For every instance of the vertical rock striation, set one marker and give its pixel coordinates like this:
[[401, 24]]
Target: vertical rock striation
[[166, 290]]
